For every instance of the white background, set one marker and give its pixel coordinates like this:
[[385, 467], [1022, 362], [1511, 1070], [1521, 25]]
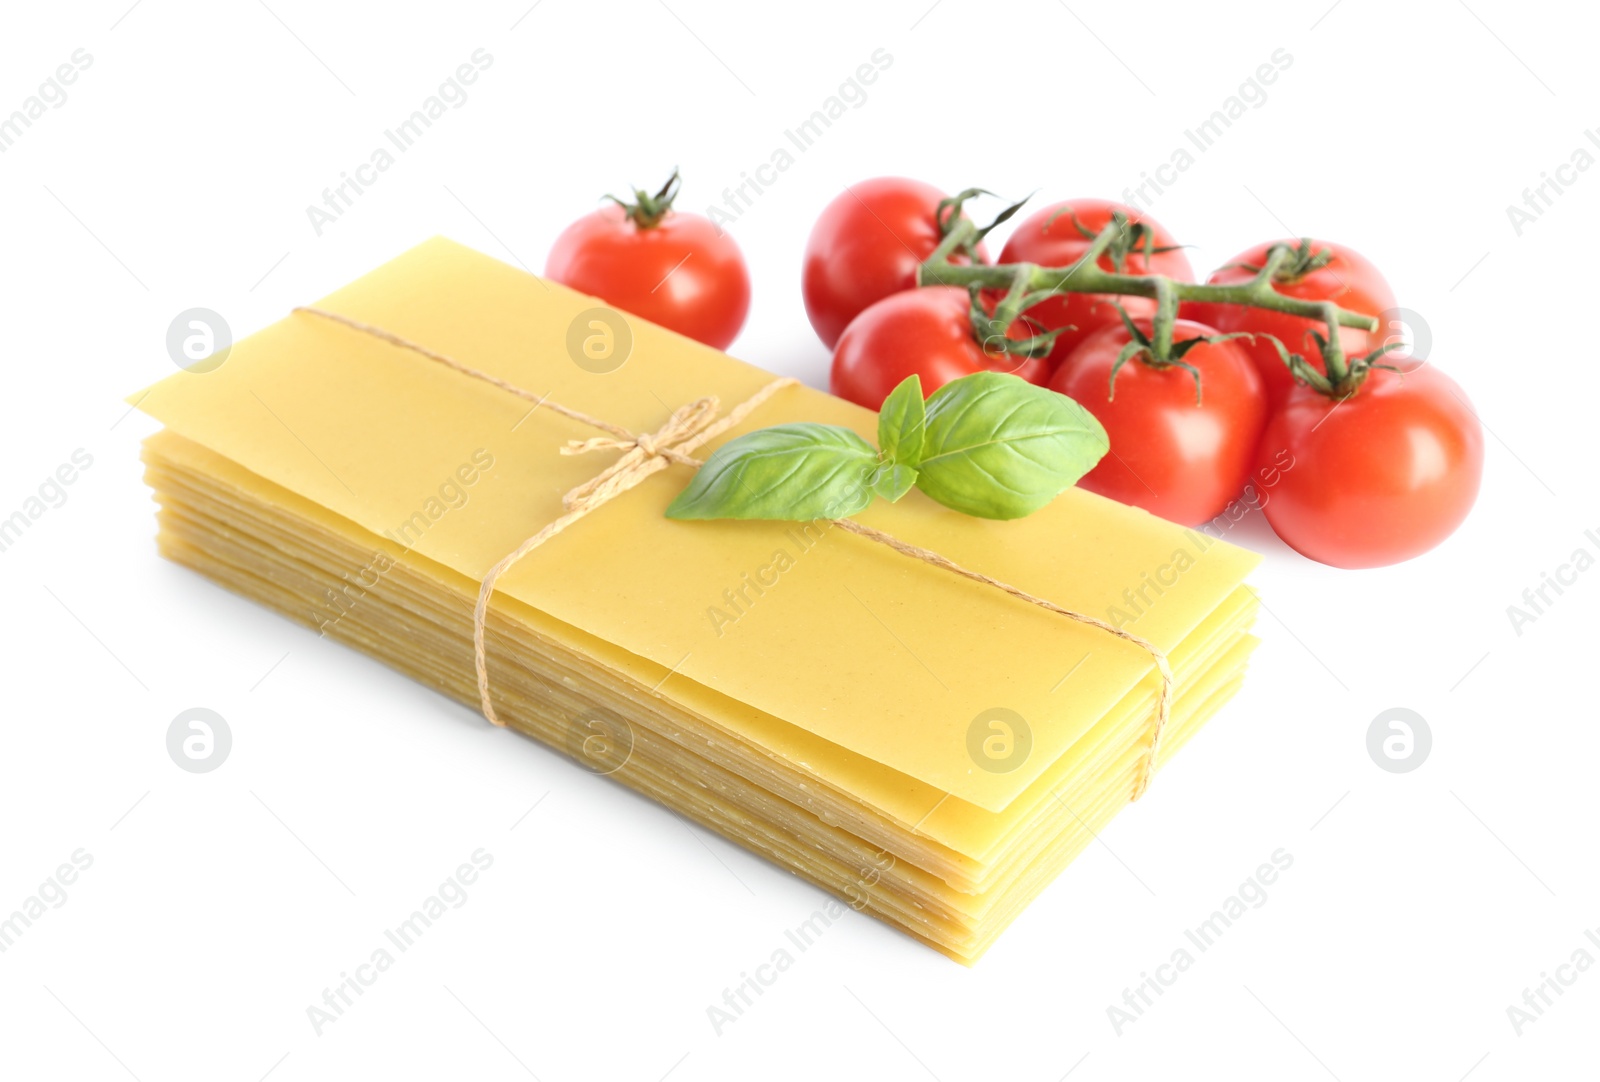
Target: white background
[[219, 906]]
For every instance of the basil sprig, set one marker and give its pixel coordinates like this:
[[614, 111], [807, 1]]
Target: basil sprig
[[989, 445]]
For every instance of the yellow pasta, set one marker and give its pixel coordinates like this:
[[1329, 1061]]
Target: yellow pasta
[[827, 702]]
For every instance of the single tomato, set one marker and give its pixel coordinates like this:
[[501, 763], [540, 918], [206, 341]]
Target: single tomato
[[670, 267], [1177, 451], [1058, 236], [1318, 271], [866, 245], [927, 332], [1378, 477]]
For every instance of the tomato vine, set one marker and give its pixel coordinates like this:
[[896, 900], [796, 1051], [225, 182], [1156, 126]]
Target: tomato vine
[[1026, 284]]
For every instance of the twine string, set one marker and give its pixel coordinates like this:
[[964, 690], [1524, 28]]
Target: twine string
[[1164, 705], [690, 427]]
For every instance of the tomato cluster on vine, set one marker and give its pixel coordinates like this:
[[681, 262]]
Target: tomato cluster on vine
[[1373, 457]]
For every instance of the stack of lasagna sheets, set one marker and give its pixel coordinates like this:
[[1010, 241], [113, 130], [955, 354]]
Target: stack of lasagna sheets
[[926, 748]]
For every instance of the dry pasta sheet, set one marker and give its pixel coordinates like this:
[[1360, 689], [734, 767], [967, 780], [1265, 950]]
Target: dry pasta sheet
[[925, 747]]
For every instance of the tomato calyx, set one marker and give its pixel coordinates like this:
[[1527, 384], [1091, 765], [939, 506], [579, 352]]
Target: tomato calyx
[[1293, 265], [948, 214], [649, 209], [1129, 237], [1144, 349], [992, 331], [1353, 370]]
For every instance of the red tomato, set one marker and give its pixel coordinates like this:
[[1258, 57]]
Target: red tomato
[[925, 331], [1376, 478], [1347, 280], [1060, 243], [682, 272], [866, 245], [1176, 458]]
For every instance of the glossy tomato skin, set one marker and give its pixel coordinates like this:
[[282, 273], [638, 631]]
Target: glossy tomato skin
[[1378, 478], [866, 245], [1170, 456], [1348, 280], [926, 332], [682, 273], [1059, 243]]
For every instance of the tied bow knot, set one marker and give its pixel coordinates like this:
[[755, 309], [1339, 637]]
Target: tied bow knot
[[643, 454]]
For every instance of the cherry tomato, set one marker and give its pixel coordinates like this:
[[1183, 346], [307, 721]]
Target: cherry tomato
[[1347, 279], [1175, 457], [681, 272], [1051, 238], [866, 245], [1378, 477], [925, 331]]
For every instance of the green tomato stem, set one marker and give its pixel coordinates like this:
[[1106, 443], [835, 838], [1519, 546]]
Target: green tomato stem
[[1276, 258], [962, 233], [1033, 283], [1165, 319], [1015, 301]]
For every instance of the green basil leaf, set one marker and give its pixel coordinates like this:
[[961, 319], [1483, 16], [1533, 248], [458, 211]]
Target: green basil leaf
[[794, 471], [891, 480], [901, 420], [999, 447]]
